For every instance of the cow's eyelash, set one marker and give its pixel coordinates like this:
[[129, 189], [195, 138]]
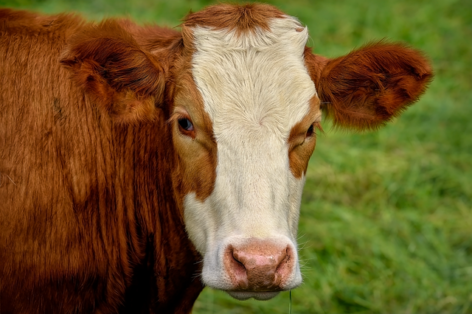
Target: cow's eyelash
[[317, 126], [177, 116], [312, 129]]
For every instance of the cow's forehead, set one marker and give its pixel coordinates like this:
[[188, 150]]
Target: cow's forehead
[[253, 79]]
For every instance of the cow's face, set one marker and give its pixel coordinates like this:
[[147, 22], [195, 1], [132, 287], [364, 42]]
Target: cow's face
[[243, 94], [244, 126], [244, 117]]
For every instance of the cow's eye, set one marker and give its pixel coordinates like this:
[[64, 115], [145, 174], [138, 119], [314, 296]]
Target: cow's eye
[[310, 131], [186, 127], [185, 124]]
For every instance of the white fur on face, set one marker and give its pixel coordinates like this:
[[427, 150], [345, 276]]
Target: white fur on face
[[255, 88]]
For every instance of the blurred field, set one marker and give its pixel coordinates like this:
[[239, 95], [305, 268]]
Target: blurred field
[[386, 218]]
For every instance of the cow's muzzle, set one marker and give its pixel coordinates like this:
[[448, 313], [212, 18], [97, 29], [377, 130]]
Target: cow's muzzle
[[261, 267]]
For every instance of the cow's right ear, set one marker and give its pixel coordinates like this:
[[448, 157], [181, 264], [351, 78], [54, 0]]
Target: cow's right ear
[[115, 72]]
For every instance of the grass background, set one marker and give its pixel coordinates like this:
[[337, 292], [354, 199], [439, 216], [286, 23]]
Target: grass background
[[386, 217]]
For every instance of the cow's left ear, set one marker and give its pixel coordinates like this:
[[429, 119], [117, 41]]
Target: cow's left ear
[[115, 72], [369, 86]]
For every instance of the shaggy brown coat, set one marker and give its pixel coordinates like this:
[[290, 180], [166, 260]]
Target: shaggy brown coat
[[89, 222]]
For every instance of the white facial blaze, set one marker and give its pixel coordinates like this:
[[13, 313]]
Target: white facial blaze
[[255, 88]]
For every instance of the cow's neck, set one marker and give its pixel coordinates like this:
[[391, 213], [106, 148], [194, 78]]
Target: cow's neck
[[167, 266], [177, 264]]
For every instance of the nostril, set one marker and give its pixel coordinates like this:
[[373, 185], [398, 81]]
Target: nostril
[[284, 266], [236, 265]]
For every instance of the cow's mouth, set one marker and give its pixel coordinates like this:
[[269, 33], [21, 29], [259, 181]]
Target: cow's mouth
[[258, 295]]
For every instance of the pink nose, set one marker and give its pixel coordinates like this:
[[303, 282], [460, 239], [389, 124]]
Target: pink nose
[[259, 265]]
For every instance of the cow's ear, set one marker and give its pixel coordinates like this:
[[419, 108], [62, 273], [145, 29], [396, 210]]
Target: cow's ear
[[115, 72], [369, 86]]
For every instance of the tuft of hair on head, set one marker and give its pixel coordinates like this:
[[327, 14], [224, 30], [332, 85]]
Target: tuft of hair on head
[[240, 18]]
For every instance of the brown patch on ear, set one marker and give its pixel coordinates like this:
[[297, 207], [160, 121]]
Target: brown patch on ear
[[242, 18], [301, 144], [120, 77], [369, 86]]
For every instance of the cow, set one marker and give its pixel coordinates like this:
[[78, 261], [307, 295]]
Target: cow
[[139, 164]]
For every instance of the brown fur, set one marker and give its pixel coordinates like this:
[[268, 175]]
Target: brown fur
[[302, 144], [202, 152], [242, 19], [108, 64], [93, 168], [89, 220], [371, 85], [202, 149]]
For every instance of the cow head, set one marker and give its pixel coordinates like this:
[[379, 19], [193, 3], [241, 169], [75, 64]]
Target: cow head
[[244, 97]]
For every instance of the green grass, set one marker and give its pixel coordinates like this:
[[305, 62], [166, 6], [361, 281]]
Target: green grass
[[386, 218]]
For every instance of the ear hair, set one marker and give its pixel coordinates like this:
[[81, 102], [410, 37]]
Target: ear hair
[[369, 86], [106, 61]]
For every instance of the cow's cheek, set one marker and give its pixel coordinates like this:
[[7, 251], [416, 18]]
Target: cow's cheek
[[300, 156], [199, 222], [296, 189], [196, 166], [298, 161], [194, 178]]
